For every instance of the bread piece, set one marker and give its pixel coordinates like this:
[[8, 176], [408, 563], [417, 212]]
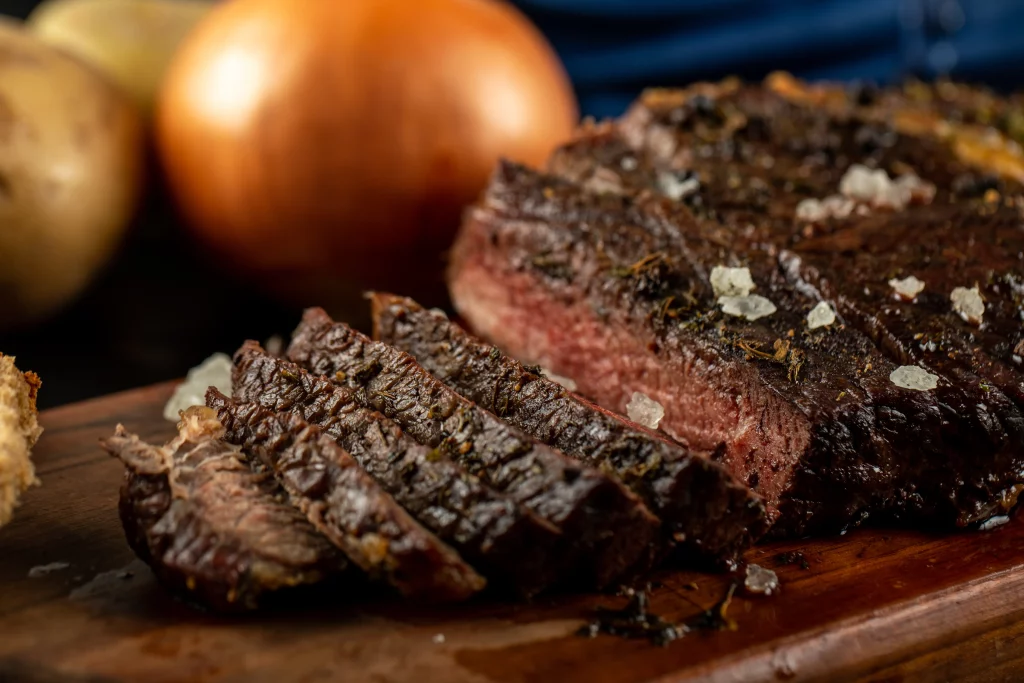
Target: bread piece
[[19, 431]]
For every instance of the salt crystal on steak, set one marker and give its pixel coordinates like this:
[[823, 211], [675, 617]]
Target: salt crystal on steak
[[675, 187], [968, 303], [908, 288], [752, 307], [215, 371], [874, 187], [834, 206], [821, 315], [604, 181], [864, 184], [913, 377], [727, 281], [993, 522], [811, 210], [644, 410], [566, 382], [761, 580]]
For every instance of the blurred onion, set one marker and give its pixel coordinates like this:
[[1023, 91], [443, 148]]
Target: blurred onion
[[329, 146]]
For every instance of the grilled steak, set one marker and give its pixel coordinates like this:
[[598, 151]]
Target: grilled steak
[[505, 541], [609, 529], [211, 528], [346, 504], [847, 259], [810, 418], [700, 503]]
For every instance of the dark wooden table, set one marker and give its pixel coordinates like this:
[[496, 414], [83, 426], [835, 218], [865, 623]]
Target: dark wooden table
[[873, 606]]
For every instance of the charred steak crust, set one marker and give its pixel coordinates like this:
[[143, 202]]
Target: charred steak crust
[[610, 531], [811, 420], [701, 505], [969, 236], [346, 504], [213, 530], [510, 545], [782, 148]]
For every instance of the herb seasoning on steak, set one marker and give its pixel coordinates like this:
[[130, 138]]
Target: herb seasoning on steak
[[211, 528], [610, 530], [346, 504], [504, 540], [699, 502]]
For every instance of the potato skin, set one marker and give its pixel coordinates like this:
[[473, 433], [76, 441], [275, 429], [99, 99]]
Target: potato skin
[[129, 41], [72, 157]]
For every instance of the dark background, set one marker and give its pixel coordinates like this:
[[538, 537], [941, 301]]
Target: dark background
[[160, 308]]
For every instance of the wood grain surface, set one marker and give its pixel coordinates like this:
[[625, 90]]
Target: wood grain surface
[[875, 605]]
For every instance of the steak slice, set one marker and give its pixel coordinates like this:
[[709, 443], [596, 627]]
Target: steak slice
[[701, 505], [509, 544], [610, 530], [345, 504], [809, 417], [211, 528]]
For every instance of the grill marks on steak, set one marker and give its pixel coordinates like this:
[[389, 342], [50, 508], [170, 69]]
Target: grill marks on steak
[[826, 444], [699, 502], [211, 528], [609, 529], [509, 544], [345, 504]]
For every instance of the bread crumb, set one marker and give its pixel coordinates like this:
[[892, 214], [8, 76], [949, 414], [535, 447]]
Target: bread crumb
[[19, 431]]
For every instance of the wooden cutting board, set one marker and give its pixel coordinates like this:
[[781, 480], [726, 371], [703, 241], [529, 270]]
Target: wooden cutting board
[[875, 605]]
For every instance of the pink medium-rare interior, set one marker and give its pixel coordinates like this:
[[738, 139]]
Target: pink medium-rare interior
[[707, 401]]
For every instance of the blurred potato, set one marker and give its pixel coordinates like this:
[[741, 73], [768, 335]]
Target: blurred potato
[[131, 41], [71, 164]]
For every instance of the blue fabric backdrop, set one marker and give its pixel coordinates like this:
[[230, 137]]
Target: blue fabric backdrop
[[613, 48]]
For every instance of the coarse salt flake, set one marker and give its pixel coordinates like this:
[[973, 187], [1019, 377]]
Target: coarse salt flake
[[752, 307], [604, 181], [761, 580], [874, 187], [644, 410], [817, 211], [727, 281], [47, 569], [913, 377], [968, 303], [566, 382], [821, 315], [675, 187], [993, 522], [865, 184], [215, 371], [908, 288]]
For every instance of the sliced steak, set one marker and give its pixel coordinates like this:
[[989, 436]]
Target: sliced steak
[[809, 417], [701, 505], [212, 529], [346, 504], [610, 530], [504, 540]]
